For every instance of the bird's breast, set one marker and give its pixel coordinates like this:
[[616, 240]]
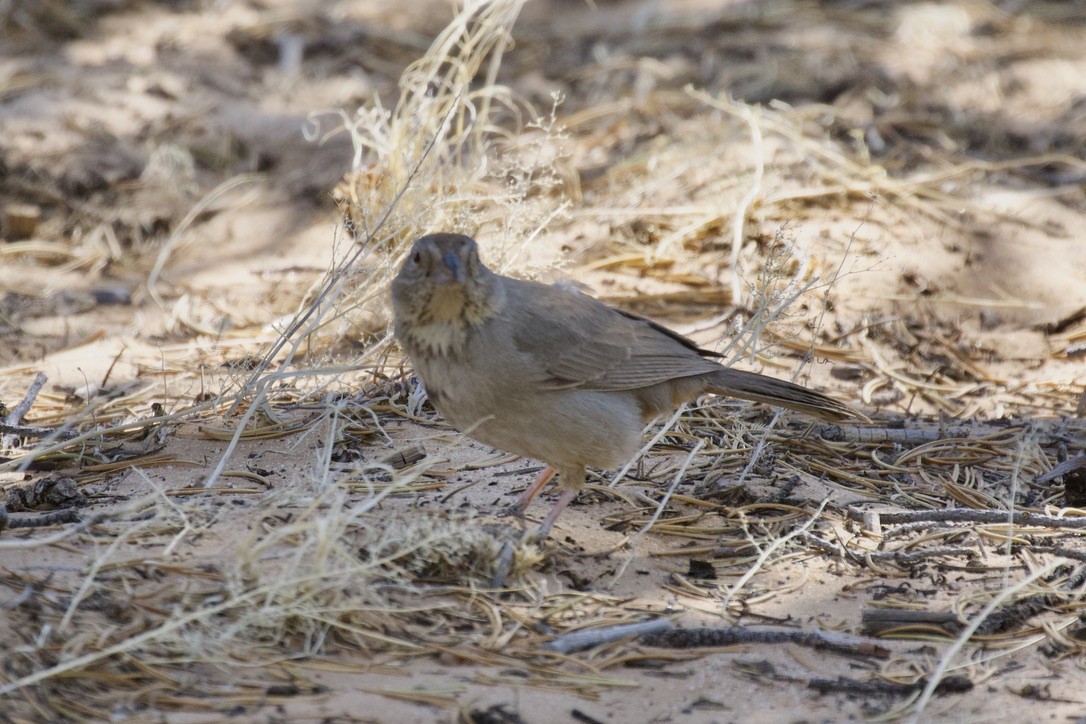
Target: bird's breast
[[495, 394]]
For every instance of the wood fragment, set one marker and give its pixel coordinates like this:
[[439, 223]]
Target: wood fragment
[[872, 523], [875, 620], [15, 417], [684, 638], [1017, 613], [971, 515], [949, 685], [1062, 325], [1072, 553], [580, 716], [493, 714], [24, 431], [898, 434], [901, 557], [1067, 466], [55, 517], [45, 494], [400, 459], [20, 221], [588, 638], [1073, 472]]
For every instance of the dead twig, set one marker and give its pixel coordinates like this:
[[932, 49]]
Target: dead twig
[[898, 434], [877, 620], [843, 685], [683, 638], [1018, 613], [588, 638], [12, 431], [1067, 466], [15, 417], [55, 517], [904, 558], [970, 515]]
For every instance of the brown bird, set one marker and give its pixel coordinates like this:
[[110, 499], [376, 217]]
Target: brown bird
[[553, 374]]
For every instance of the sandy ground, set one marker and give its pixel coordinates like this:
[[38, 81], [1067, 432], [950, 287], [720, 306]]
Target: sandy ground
[[179, 167]]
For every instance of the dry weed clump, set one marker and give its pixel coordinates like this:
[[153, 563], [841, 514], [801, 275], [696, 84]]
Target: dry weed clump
[[333, 574], [451, 155], [341, 573]]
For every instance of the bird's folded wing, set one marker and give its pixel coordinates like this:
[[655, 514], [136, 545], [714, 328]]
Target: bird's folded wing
[[580, 342]]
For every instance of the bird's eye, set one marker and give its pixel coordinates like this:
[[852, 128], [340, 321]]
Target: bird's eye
[[416, 258]]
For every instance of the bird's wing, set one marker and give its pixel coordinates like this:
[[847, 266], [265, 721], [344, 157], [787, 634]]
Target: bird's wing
[[580, 342]]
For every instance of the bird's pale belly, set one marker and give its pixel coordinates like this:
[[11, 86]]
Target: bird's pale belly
[[562, 428]]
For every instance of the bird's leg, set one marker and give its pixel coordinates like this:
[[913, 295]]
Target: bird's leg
[[571, 482], [525, 498], [564, 499]]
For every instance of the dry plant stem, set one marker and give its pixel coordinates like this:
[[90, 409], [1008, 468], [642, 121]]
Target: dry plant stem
[[1027, 607], [826, 640], [764, 555], [967, 633], [1011, 497], [172, 506], [333, 284], [763, 440], [746, 342], [898, 436], [841, 174], [60, 516], [589, 638], [658, 512], [191, 216], [740, 344], [1067, 466], [91, 577], [971, 515], [750, 115], [901, 557], [336, 278], [15, 417], [168, 627], [664, 430], [478, 34], [70, 437], [1072, 553]]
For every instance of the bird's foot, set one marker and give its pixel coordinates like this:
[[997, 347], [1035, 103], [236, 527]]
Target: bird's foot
[[516, 510], [503, 567]]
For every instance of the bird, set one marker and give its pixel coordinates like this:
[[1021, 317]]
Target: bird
[[551, 373]]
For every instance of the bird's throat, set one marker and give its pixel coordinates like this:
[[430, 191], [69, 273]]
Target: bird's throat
[[442, 339], [448, 303], [453, 311]]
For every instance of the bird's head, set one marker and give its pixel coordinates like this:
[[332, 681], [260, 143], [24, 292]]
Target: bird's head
[[442, 280]]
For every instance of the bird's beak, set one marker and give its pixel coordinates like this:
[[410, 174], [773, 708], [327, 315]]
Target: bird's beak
[[455, 267]]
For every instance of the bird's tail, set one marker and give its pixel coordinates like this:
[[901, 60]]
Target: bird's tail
[[759, 388]]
